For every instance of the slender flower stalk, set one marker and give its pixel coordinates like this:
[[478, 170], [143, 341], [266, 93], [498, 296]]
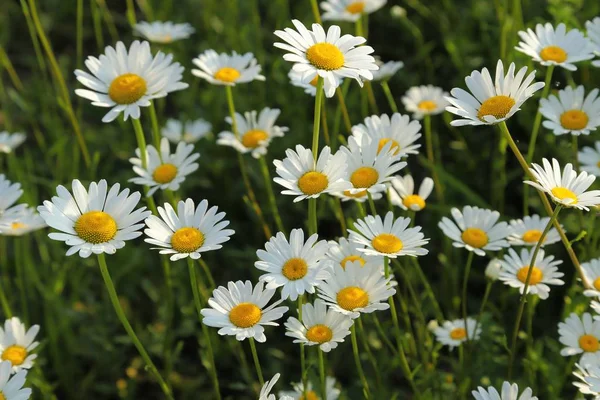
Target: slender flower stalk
[[304, 371], [315, 11], [141, 140], [312, 202], [322, 374], [114, 298], [209, 276], [486, 295], [464, 290], [345, 116], [439, 191], [155, 129], [261, 380], [389, 96], [269, 186], [438, 311], [361, 373]]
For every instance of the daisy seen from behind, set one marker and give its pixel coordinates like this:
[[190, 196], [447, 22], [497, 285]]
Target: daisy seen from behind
[[454, 333], [126, 79], [356, 289], [566, 187], [555, 47], [591, 272], [188, 132], [360, 196], [331, 391], [528, 231], [570, 112], [508, 392], [402, 192], [254, 131], [329, 55], [11, 387], [386, 70], [398, 130], [10, 141], [17, 344], [349, 10], [164, 171], [188, 232], [305, 179], [163, 32], [491, 102], [296, 265], [240, 310], [580, 335], [226, 69], [589, 159], [476, 229], [95, 220], [515, 268], [9, 194], [425, 100], [593, 31], [344, 251], [21, 223]]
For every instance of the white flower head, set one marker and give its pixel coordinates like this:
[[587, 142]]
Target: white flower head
[[265, 391], [225, 69], [493, 269], [349, 10], [10, 141], [398, 130], [296, 78], [11, 388], [550, 46], [387, 70], [476, 229], [9, 194], [589, 374], [254, 131], [567, 188], [17, 343], [331, 391], [21, 223], [425, 100], [188, 132], [305, 179], [509, 392], [491, 102], [589, 158], [591, 272], [163, 32], [593, 31], [580, 335], [240, 310], [570, 112], [528, 231], [188, 232], [125, 80], [453, 333], [344, 251], [515, 268], [329, 55], [402, 192], [164, 171]]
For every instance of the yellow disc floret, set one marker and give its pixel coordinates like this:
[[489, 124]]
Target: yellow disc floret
[[475, 237], [498, 106], [294, 269], [310, 395], [536, 275], [313, 182], [458, 333], [164, 173], [227, 74], [356, 195], [352, 297], [364, 177], [597, 283], [562, 193], [427, 106], [319, 334], [245, 315], [414, 202], [127, 89], [352, 258], [387, 243], [253, 137], [532, 236], [96, 227], [553, 53], [356, 7], [325, 56], [574, 120], [589, 343], [394, 145], [15, 354], [187, 240]]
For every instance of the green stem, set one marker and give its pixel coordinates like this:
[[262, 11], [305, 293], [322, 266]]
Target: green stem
[[114, 298], [256, 362], [431, 158], [322, 374], [363, 335], [464, 291], [268, 184], [313, 224], [371, 203], [170, 304], [359, 368], [141, 140], [204, 266], [304, 371], [575, 145], [131, 13], [486, 295], [79, 33], [371, 97], [317, 118], [315, 11], [344, 109], [155, 129], [5, 303], [429, 290], [389, 96]]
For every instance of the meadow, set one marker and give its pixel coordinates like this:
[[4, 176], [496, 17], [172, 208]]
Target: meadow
[[403, 207]]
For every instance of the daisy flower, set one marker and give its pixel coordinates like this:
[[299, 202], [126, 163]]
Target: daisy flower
[[163, 32], [589, 159], [360, 196], [11, 388], [476, 229], [240, 310], [589, 375], [319, 326], [402, 192], [389, 237], [570, 113], [10, 141], [21, 223], [492, 102], [188, 132], [356, 289], [556, 47], [493, 269], [327, 54], [164, 171], [97, 220], [528, 231], [305, 179], [398, 130], [349, 10], [189, 231], [254, 131], [225, 69], [17, 343], [297, 394], [453, 333], [296, 265], [309, 87], [591, 272], [567, 188], [344, 251], [509, 392], [126, 80], [9, 193], [265, 391], [425, 100], [515, 268], [580, 335], [369, 166], [386, 69], [593, 31]]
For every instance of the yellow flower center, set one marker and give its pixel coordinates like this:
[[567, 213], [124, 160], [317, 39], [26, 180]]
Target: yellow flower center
[[564, 193], [364, 177], [253, 137], [17, 225], [414, 200], [166, 39], [245, 315], [325, 56], [227, 74], [164, 173], [574, 120], [313, 182], [352, 259], [553, 53], [536, 275], [319, 334], [475, 237], [356, 195], [387, 243], [427, 105], [127, 89], [356, 8], [532, 236], [598, 164], [597, 283], [384, 141], [96, 227], [187, 240], [458, 333], [589, 343], [15, 354], [498, 106], [310, 395], [294, 269], [315, 80], [352, 297]]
